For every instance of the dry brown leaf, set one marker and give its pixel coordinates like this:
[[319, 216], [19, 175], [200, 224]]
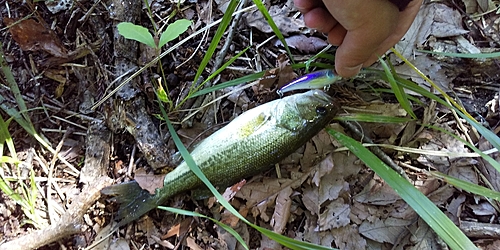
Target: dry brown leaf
[[282, 210], [423, 237], [494, 245], [335, 215], [303, 43], [331, 187], [313, 235], [179, 229], [388, 230], [465, 173], [447, 21], [119, 244], [323, 143], [346, 164], [377, 192], [310, 156], [285, 24], [229, 219], [191, 243], [268, 244], [33, 36], [286, 73], [228, 241], [150, 181], [348, 237], [444, 143], [146, 225], [232, 190], [324, 168], [455, 207], [310, 198], [482, 209], [259, 196]]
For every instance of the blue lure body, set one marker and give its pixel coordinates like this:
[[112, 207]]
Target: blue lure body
[[314, 80]]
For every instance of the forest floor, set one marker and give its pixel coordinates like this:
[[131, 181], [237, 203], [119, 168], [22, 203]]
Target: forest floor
[[68, 59]]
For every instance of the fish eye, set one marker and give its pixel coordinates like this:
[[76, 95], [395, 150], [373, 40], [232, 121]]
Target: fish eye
[[320, 110]]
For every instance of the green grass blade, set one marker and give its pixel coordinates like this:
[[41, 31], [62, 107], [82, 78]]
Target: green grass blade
[[226, 19], [462, 55], [274, 27], [434, 217], [467, 186], [7, 139], [234, 82], [8, 159], [446, 96], [223, 67], [398, 90], [7, 190], [485, 157], [355, 117], [13, 86], [489, 135]]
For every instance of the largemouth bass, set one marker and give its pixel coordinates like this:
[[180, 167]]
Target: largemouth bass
[[248, 145]]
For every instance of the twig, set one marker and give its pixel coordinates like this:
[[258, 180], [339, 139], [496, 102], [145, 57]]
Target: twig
[[51, 173]]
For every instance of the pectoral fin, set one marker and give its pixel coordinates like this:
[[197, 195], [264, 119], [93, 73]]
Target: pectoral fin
[[253, 125]]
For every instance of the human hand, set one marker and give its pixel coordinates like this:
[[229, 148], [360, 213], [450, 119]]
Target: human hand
[[363, 29]]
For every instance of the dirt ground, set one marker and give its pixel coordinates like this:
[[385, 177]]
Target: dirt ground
[[90, 94]]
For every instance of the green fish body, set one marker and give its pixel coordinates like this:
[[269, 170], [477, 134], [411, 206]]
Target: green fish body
[[248, 145]]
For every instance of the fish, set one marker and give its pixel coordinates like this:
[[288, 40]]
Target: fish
[[315, 80], [250, 144]]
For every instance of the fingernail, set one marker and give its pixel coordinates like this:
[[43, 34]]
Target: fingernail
[[352, 71]]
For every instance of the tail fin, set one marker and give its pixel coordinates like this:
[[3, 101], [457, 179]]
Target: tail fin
[[134, 201]]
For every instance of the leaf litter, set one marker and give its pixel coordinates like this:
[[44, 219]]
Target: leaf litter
[[325, 195]]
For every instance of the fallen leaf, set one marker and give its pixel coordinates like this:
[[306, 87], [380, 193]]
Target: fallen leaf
[[377, 192], [303, 43], [447, 22], [280, 17], [282, 210], [483, 208], [229, 219], [324, 168], [455, 206], [33, 36], [147, 181], [335, 215], [191, 243], [423, 237], [179, 229], [145, 224], [388, 230], [348, 237], [232, 190], [259, 196]]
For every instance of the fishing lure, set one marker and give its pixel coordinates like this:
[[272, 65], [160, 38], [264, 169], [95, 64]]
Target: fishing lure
[[314, 80]]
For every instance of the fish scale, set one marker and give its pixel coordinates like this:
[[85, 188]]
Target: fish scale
[[248, 145]]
